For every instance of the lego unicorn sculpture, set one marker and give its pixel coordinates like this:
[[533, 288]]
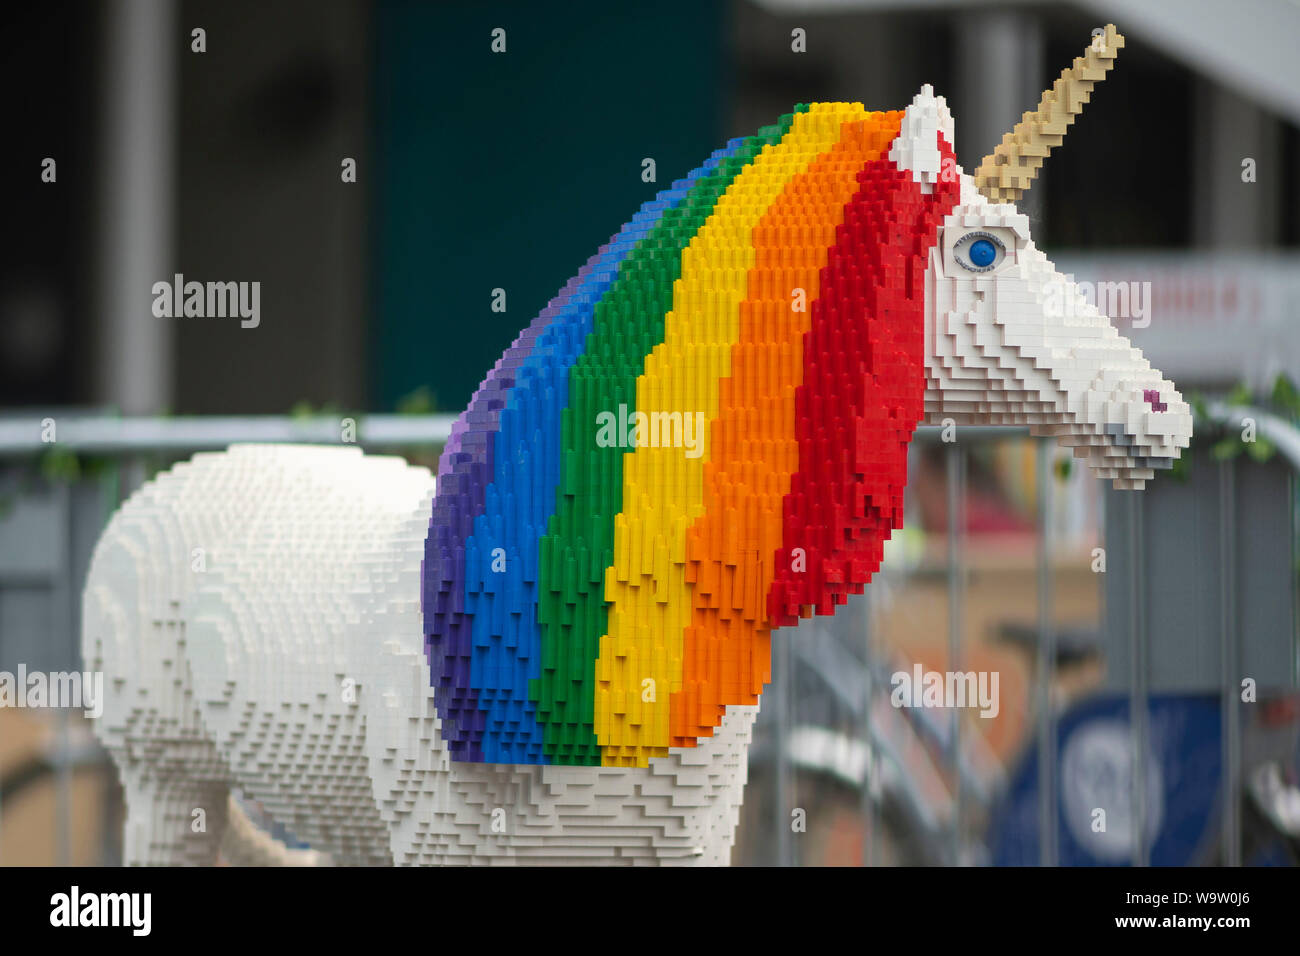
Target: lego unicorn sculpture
[[554, 651]]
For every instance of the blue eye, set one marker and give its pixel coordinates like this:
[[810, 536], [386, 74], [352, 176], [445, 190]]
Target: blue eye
[[979, 251], [982, 253]]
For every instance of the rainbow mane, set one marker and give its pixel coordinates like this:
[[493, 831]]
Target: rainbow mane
[[600, 580]]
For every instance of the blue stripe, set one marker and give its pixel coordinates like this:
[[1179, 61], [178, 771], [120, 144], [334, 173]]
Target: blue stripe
[[501, 556]]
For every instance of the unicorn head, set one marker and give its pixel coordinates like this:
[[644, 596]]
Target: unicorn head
[[1009, 340], [598, 590]]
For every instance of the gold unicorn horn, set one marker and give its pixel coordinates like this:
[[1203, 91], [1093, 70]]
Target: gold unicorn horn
[[1008, 170]]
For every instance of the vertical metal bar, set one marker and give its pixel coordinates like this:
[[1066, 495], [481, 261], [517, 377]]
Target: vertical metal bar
[[870, 770], [1139, 677], [781, 741], [1229, 665], [62, 619], [1106, 638], [110, 485], [1046, 665], [1292, 489], [789, 707], [1103, 595], [956, 462], [63, 792]]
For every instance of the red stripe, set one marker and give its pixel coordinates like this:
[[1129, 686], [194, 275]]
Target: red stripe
[[862, 393]]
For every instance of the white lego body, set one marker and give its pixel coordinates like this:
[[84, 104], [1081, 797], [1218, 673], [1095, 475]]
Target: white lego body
[[257, 615]]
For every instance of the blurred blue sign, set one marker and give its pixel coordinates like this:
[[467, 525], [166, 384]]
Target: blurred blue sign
[[1095, 823]]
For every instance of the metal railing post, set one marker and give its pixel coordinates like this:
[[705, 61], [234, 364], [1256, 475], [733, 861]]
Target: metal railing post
[[64, 622], [1229, 664], [1139, 678], [871, 767], [1046, 665], [781, 733], [956, 464]]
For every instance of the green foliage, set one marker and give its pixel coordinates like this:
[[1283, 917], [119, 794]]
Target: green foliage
[[59, 464], [1286, 397], [1240, 395], [304, 411], [421, 401], [1225, 449], [1226, 442], [1261, 449], [56, 465]]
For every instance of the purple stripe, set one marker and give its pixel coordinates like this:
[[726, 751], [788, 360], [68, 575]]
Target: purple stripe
[[464, 471]]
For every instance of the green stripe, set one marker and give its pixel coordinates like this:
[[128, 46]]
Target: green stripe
[[579, 543]]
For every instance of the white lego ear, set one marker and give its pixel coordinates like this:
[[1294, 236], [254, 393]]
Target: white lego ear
[[917, 147]]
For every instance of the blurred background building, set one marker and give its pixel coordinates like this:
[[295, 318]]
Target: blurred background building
[[220, 155]]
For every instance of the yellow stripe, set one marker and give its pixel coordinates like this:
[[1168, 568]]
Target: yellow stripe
[[640, 660]]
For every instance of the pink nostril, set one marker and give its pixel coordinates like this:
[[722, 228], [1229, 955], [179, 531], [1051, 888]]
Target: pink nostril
[[1152, 397]]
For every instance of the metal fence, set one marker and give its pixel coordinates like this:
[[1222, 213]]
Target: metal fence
[[48, 533]]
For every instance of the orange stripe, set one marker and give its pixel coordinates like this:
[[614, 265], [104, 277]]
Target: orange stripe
[[730, 549]]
